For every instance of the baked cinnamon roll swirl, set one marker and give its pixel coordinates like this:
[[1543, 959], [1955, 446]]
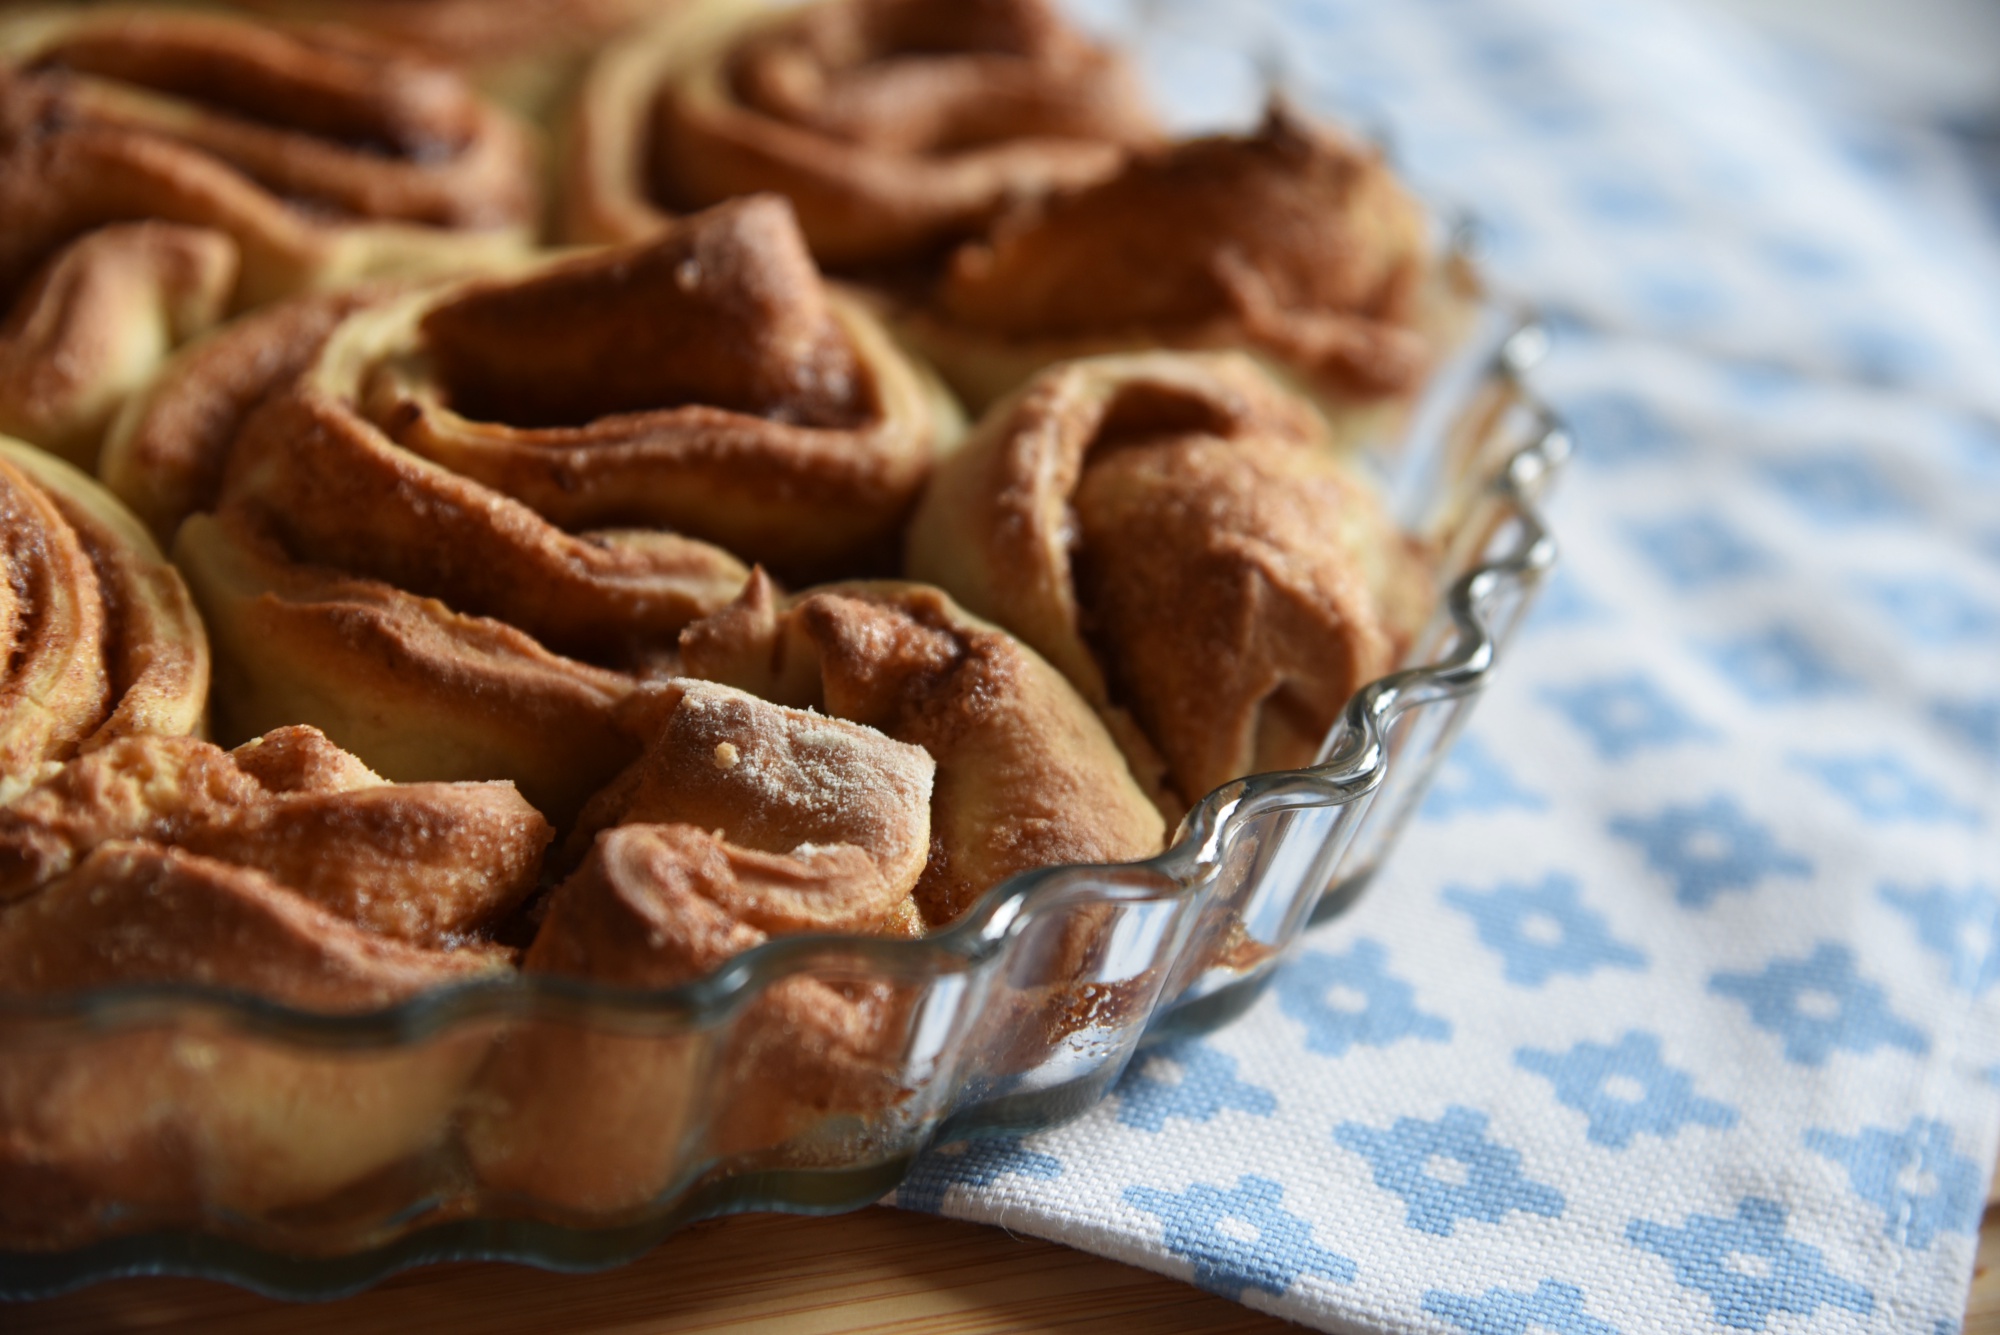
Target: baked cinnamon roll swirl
[[1174, 534], [286, 871], [893, 125], [452, 526], [160, 169], [1291, 243], [742, 821], [98, 638]]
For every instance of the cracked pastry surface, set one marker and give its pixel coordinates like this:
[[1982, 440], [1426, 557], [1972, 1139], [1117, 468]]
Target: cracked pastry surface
[[1173, 533], [99, 639], [893, 125], [1291, 242], [160, 170]]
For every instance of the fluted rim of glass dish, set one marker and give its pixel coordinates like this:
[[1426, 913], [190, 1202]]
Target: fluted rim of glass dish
[[1356, 762]]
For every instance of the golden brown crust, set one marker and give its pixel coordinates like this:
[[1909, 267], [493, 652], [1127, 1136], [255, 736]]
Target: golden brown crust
[[1291, 242], [787, 783], [478, 33], [426, 863], [158, 170], [423, 692], [654, 906], [101, 639], [164, 455], [893, 125], [1026, 775], [135, 912], [1172, 533], [455, 525], [96, 322], [170, 1123], [742, 821], [708, 381]]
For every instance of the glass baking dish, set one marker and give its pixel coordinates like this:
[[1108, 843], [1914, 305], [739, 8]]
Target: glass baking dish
[[309, 1155]]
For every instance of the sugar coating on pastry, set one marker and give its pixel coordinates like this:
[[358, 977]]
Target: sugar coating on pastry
[[426, 863], [778, 781], [893, 125], [1174, 534], [1026, 774]]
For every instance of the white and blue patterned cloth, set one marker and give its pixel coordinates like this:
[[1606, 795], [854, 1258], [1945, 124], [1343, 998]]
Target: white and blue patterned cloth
[[1676, 1009]]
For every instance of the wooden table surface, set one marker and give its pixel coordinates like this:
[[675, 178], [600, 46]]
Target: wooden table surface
[[875, 1270]]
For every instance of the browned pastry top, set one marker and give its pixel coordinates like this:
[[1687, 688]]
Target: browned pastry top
[[1174, 534], [427, 863], [893, 125], [269, 136], [472, 31], [725, 311], [921, 77], [1302, 243], [1026, 776], [847, 805]]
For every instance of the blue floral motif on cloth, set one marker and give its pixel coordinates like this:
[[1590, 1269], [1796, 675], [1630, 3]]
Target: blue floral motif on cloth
[[1554, 1307], [1963, 926], [1934, 610], [1352, 998], [973, 1164], [1882, 787], [1699, 549], [1921, 1184], [1449, 1170], [1820, 1005], [1838, 487], [1472, 780], [1622, 429], [1242, 1238], [1779, 665], [1543, 930], [1190, 1081], [1625, 1089], [1707, 849], [1974, 722], [1625, 715], [1748, 1267]]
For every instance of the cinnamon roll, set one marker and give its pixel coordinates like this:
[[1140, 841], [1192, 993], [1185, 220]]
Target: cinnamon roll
[[1291, 243], [452, 526], [285, 871], [743, 820], [159, 169], [1172, 532], [98, 638], [893, 125]]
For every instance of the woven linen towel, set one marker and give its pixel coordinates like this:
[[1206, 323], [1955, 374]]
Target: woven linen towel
[[1676, 1009]]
